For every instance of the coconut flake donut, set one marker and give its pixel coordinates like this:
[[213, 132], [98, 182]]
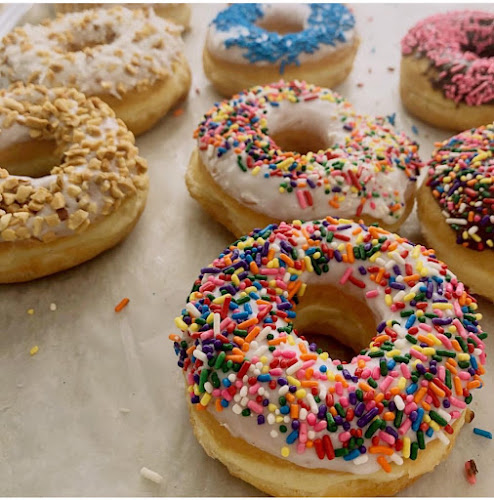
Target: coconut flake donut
[[55, 217], [251, 44], [447, 69], [131, 59], [246, 171], [179, 13], [284, 416], [456, 206]]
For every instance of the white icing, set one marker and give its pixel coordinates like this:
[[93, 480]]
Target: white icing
[[111, 34], [262, 194]]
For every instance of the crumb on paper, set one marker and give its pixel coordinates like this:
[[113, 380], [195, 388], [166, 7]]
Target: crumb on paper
[[30, 312], [151, 475], [53, 306], [124, 410], [360, 85], [33, 350], [391, 69]]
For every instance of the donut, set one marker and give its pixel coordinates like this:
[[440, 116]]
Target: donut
[[284, 416], [131, 59], [447, 70], [179, 13], [456, 206], [254, 44], [55, 217], [295, 150]]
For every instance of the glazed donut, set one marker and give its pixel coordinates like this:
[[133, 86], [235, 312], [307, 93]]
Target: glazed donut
[[255, 44], [247, 170], [131, 59], [179, 13], [53, 218], [284, 416], [456, 206], [447, 70]]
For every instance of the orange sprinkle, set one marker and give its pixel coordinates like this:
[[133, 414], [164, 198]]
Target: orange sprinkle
[[247, 323], [302, 348], [456, 345], [379, 397], [252, 334], [217, 405], [174, 337], [290, 397], [235, 358], [437, 390], [425, 340], [253, 267], [384, 450], [289, 262], [305, 357], [178, 112], [473, 384], [309, 383], [389, 415], [458, 388], [199, 407], [426, 406], [413, 277], [420, 394], [277, 341], [384, 464], [294, 410], [121, 304], [365, 387]]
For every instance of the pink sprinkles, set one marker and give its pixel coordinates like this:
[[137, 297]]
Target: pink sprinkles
[[460, 47]]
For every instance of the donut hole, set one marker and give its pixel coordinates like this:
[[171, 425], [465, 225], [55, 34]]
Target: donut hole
[[96, 38], [33, 159], [301, 140], [338, 323], [281, 26]]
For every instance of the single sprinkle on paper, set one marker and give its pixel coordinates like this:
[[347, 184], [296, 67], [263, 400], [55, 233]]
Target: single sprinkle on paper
[[123, 303], [34, 350], [124, 410], [151, 475], [53, 306], [471, 470], [482, 432], [360, 84], [178, 112], [415, 130], [391, 118], [198, 91], [30, 312], [391, 69]]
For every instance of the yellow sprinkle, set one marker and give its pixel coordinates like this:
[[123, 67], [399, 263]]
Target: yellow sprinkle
[[301, 393], [290, 339], [406, 447], [263, 360], [430, 351], [194, 327], [408, 297], [427, 419], [205, 399], [442, 305], [30, 311], [179, 322], [197, 392], [210, 318], [452, 329], [434, 339], [235, 279], [256, 170], [463, 356], [285, 451], [308, 264], [279, 419], [272, 407], [34, 350], [220, 300], [301, 290], [331, 376], [293, 381], [388, 299], [419, 313], [402, 383], [394, 352], [434, 425], [265, 369], [285, 163], [324, 356], [373, 258]]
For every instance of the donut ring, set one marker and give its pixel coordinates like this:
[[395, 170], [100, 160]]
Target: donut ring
[[246, 171], [277, 411], [255, 44], [131, 59], [456, 206], [447, 70], [86, 204], [179, 13]]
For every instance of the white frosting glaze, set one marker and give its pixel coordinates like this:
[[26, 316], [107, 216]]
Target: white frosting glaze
[[322, 118], [99, 170], [267, 436], [100, 51]]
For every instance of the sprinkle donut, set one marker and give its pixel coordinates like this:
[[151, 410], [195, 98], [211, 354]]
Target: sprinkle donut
[[131, 59], [53, 218], [251, 44], [284, 416], [447, 69], [179, 13], [456, 206], [246, 171]]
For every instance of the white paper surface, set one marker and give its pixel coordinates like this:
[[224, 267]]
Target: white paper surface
[[65, 428]]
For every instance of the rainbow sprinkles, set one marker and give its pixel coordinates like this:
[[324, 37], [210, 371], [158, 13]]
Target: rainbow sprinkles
[[244, 362], [364, 167]]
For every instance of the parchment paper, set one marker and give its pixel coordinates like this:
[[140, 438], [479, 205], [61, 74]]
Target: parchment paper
[[103, 396]]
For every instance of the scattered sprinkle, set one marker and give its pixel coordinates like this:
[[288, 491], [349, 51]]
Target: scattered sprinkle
[[471, 471], [391, 69], [415, 130], [151, 475], [481, 432], [123, 303], [34, 350], [30, 312], [178, 112], [53, 306]]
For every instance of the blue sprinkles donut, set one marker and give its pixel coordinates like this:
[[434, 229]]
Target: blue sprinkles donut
[[282, 39]]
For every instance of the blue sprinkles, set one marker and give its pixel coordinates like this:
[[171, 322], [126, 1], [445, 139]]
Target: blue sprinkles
[[327, 24]]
